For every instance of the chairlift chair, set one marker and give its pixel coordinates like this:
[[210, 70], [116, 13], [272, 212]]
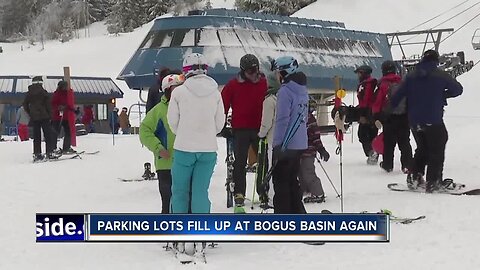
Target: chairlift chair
[[476, 39]]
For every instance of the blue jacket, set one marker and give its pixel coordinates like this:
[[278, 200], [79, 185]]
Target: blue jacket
[[291, 99], [427, 89]]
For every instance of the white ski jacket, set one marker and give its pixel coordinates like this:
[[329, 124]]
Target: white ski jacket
[[196, 115]]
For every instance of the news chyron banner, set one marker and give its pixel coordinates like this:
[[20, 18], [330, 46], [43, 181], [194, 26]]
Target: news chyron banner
[[212, 228]]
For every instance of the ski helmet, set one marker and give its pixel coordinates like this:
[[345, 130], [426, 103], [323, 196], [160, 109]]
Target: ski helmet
[[249, 62], [194, 64], [389, 67], [365, 69], [172, 80], [285, 64]]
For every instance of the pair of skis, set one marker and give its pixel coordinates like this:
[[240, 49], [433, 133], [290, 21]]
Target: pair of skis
[[77, 155], [455, 189]]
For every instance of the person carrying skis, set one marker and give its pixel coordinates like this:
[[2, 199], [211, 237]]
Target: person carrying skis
[[156, 135], [426, 91], [290, 136], [310, 184], [38, 107], [266, 137], [196, 115], [22, 124], [244, 95], [62, 107], [367, 131], [394, 122]]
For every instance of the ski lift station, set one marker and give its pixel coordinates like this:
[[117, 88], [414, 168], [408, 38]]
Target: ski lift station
[[324, 49]]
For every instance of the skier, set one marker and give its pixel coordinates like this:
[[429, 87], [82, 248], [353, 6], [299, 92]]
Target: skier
[[156, 135], [22, 124], [38, 107], [292, 102], [366, 129], [61, 108], [396, 129], [266, 135], [426, 91], [124, 121], [310, 184], [244, 95], [195, 115]]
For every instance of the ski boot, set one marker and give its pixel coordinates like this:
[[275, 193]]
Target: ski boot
[[68, 151], [448, 184], [314, 199], [38, 157], [52, 156], [385, 169], [148, 174], [372, 158], [433, 186], [199, 253], [239, 204], [415, 180]]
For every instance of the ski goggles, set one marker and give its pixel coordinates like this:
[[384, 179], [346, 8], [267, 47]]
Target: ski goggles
[[187, 69]]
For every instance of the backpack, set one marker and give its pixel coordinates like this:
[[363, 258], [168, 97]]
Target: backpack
[[402, 106]]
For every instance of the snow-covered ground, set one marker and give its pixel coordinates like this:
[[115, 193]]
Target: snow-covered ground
[[447, 239]]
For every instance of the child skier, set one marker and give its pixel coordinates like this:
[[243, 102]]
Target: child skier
[[310, 184], [156, 135]]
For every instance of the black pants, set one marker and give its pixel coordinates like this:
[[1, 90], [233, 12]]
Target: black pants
[[396, 130], [431, 142], [288, 197], [38, 126], [67, 139], [165, 188], [366, 134], [242, 139]]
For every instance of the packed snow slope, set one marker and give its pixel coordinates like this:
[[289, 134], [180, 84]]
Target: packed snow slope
[[447, 239]]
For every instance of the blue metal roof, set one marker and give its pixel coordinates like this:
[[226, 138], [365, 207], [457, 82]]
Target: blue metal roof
[[83, 86], [323, 49]]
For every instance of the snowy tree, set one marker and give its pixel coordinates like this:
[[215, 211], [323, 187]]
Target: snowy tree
[[126, 15], [279, 7], [98, 10], [68, 27], [182, 7], [155, 8], [208, 4]]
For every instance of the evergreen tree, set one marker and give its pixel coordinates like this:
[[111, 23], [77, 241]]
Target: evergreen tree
[[68, 27], [279, 7]]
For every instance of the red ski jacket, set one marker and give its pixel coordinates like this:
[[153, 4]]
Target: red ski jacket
[[62, 101], [382, 91]]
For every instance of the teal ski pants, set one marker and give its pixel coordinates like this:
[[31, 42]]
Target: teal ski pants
[[191, 174]]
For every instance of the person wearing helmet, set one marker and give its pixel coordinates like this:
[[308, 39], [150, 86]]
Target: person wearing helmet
[[155, 92], [290, 135], [366, 129], [195, 115], [426, 91], [394, 122], [156, 135], [62, 108], [38, 107], [244, 95]]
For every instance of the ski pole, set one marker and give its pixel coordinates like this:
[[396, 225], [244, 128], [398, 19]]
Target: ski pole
[[328, 177], [254, 191]]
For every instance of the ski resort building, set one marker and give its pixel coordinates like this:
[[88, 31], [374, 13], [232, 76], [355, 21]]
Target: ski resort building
[[324, 49], [96, 91]]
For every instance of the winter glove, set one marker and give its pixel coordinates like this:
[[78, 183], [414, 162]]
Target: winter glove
[[164, 154], [340, 122], [378, 124], [226, 132], [363, 120], [324, 155]]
